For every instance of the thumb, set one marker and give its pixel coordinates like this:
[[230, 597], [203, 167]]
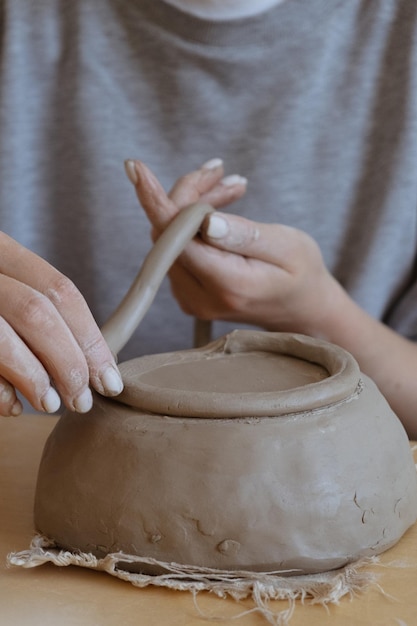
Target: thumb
[[270, 243], [231, 233], [277, 244]]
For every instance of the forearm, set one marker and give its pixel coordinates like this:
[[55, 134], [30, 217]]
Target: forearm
[[384, 355]]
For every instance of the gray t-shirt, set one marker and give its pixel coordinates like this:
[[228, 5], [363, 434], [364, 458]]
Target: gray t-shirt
[[315, 102]]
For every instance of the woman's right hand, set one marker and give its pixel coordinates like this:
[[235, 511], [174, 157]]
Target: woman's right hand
[[50, 345]]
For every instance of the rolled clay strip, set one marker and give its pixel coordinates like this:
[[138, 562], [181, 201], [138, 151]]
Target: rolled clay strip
[[123, 322]]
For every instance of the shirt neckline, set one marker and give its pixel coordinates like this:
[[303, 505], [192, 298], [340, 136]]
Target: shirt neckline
[[280, 21]]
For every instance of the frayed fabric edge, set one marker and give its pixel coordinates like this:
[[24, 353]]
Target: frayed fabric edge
[[261, 587]]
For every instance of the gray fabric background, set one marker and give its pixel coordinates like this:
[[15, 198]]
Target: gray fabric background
[[315, 102]]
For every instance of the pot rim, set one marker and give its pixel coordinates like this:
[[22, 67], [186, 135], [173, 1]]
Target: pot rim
[[343, 380]]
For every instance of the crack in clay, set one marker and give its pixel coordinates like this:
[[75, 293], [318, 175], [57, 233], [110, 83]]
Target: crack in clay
[[366, 513], [375, 546], [397, 511]]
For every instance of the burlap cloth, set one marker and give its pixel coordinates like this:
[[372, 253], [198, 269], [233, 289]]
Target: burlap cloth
[[325, 588]]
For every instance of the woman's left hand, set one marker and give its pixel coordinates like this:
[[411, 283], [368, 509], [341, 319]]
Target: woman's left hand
[[270, 275]]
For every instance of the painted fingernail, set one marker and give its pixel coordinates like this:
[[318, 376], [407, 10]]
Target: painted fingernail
[[217, 227], [234, 179], [212, 164], [51, 401], [84, 402], [112, 381], [131, 171], [16, 409]]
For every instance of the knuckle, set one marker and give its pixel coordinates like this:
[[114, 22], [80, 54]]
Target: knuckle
[[62, 291], [187, 179], [36, 311], [93, 345]]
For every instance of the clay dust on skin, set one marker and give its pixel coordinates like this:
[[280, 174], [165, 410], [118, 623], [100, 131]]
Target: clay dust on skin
[[28, 370]]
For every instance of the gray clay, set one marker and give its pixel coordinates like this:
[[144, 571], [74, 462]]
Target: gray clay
[[304, 490], [123, 322]]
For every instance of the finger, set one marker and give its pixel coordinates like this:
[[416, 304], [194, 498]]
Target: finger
[[228, 190], [103, 373], [206, 185], [29, 269], [201, 269], [35, 320], [225, 276], [158, 207], [231, 291], [185, 287], [192, 186], [20, 369], [194, 297], [10, 405], [271, 243]]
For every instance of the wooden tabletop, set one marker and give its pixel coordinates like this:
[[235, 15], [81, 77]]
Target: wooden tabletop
[[71, 596]]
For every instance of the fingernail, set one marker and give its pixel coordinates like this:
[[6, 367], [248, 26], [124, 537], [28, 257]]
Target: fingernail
[[16, 409], [84, 402], [112, 381], [212, 164], [131, 171], [51, 401], [217, 227], [234, 179]]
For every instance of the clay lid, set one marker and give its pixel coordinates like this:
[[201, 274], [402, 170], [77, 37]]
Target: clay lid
[[244, 374]]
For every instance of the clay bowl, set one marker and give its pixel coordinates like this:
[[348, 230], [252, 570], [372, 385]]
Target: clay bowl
[[261, 451]]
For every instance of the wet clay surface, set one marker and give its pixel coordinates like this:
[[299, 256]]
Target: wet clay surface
[[237, 373], [245, 373], [303, 490]]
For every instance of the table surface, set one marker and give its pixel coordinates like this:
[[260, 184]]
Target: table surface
[[72, 596]]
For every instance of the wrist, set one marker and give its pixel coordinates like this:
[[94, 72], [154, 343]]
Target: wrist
[[332, 316]]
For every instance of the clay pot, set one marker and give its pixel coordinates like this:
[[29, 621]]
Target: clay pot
[[261, 451]]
